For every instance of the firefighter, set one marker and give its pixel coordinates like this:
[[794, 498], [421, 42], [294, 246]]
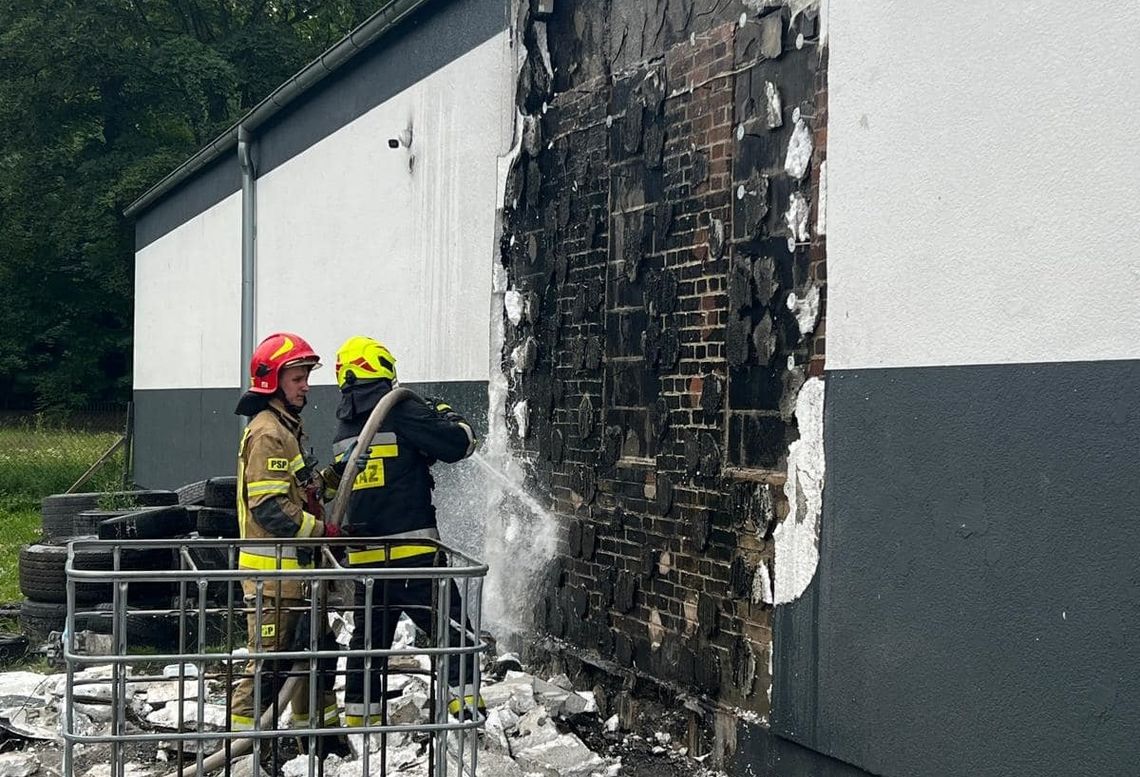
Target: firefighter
[[391, 516], [272, 478]]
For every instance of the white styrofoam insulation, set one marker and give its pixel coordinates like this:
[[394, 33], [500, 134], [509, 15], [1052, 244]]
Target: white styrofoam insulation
[[796, 218], [806, 310], [522, 417], [797, 536], [513, 302], [798, 158]]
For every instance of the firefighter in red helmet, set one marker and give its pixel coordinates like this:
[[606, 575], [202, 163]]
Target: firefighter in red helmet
[[272, 477]]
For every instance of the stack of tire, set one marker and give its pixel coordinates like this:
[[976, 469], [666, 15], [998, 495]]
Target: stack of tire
[[213, 507], [206, 506]]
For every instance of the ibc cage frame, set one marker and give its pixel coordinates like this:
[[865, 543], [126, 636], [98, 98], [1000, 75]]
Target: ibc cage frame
[[200, 662]]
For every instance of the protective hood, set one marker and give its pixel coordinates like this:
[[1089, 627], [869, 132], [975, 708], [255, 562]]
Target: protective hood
[[360, 397]]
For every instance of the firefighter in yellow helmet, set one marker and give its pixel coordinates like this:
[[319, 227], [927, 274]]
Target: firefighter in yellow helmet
[[272, 477], [391, 512]]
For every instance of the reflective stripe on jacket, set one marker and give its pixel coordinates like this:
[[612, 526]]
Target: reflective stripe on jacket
[[270, 498], [392, 493]]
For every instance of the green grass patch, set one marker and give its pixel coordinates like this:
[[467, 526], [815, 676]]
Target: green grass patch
[[19, 526], [37, 460]]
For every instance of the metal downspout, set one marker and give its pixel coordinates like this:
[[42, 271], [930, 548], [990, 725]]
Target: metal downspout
[[248, 253]]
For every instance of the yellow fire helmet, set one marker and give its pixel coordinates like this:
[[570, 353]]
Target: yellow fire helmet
[[362, 358]]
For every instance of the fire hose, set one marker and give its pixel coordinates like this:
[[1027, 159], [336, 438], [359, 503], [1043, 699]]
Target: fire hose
[[241, 747]]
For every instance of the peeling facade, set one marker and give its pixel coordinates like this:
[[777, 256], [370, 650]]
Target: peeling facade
[[657, 219]]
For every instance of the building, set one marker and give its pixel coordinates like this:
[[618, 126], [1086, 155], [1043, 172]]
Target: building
[[818, 333]]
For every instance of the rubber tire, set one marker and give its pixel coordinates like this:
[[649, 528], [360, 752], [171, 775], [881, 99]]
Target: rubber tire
[[192, 493], [43, 573], [39, 619], [155, 631], [216, 522], [87, 522], [213, 558], [155, 523], [221, 492], [13, 647], [58, 511]]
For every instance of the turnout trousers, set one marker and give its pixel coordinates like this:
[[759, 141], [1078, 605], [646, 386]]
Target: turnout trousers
[[416, 598], [277, 626]]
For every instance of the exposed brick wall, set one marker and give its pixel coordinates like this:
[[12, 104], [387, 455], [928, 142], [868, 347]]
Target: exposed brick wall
[[646, 230]]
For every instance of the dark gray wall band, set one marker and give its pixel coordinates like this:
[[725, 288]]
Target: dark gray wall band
[[976, 609], [184, 435], [760, 753], [437, 34]]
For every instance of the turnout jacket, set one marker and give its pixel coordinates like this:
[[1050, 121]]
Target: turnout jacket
[[391, 495], [271, 497]]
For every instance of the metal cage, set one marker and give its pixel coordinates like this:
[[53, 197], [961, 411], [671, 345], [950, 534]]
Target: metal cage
[[207, 605]]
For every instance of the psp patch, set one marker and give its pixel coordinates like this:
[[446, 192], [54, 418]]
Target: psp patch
[[278, 465]]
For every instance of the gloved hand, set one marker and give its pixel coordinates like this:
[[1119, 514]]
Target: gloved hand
[[446, 411], [307, 472], [329, 478], [332, 531], [361, 460]]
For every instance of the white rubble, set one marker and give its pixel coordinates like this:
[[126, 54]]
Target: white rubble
[[564, 756], [18, 764], [213, 715], [130, 769], [523, 736]]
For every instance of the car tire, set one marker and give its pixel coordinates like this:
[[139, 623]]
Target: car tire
[[39, 619], [43, 573], [155, 523], [221, 492], [192, 493], [216, 522], [153, 631], [58, 511]]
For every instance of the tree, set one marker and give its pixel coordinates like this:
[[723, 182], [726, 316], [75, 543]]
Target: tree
[[98, 100]]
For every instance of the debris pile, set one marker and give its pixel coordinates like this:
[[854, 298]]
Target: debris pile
[[529, 731]]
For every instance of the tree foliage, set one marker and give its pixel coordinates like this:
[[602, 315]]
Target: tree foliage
[[98, 100]]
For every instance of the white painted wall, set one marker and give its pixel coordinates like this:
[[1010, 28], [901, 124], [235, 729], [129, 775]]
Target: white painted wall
[[350, 241], [983, 182], [188, 303]]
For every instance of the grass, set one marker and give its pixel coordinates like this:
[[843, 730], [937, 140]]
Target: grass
[[37, 460]]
